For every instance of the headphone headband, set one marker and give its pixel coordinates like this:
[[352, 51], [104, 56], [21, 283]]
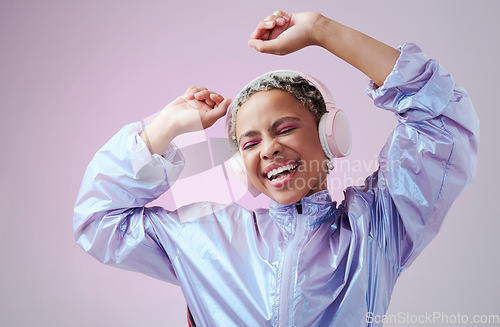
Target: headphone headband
[[334, 130]]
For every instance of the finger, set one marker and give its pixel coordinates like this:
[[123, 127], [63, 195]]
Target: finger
[[219, 111], [280, 21], [217, 98], [281, 14], [200, 93], [266, 24], [262, 28], [278, 17], [189, 90], [261, 34], [271, 27], [205, 95], [192, 90], [210, 103], [213, 99]]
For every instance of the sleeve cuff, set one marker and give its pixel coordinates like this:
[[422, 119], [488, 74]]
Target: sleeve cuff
[[417, 88], [153, 168]]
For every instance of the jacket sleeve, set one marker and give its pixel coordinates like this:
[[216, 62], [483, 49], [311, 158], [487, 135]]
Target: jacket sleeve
[[429, 158], [110, 219]]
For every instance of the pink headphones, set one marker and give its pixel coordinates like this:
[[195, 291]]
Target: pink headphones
[[333, 128]]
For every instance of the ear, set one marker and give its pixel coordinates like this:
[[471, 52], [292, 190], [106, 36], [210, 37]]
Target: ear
[[237, 165]]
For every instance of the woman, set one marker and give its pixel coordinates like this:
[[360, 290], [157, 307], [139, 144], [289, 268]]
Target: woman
[[304, 261]]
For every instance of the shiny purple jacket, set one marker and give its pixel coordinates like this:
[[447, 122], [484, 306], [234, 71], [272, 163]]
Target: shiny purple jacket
[[327, 266]]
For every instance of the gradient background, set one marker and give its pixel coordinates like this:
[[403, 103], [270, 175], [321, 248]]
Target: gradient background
[[72, 73]]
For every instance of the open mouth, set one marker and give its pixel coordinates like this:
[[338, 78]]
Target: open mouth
[[281, 173]]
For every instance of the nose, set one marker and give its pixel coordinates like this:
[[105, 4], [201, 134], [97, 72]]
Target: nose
[[270, 148]]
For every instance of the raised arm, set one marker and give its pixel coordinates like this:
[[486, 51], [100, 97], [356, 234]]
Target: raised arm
[[111, 220], [431, 155], [282, 33]]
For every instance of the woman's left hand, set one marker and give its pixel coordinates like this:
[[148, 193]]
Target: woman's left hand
[[282, 33]]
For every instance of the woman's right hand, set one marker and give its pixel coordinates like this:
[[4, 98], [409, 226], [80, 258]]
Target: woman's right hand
[[198, 109]]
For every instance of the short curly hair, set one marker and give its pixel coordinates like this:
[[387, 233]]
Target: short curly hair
[[299, 87]]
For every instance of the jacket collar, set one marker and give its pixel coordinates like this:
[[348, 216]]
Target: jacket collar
[[316, 208]]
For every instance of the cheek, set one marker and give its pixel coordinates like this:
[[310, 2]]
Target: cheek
[[310, 146], [312, 153], [251, 161]]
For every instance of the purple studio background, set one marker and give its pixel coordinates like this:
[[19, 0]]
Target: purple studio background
[[74, 72]]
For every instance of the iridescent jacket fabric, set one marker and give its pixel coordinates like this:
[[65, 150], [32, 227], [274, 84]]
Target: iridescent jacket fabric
[[331, 265]]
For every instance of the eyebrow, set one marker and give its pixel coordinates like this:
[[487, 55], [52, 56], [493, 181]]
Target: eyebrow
[[273, 126]]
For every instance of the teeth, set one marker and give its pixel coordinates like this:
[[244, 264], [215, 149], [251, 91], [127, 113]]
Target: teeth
[[281, 169]]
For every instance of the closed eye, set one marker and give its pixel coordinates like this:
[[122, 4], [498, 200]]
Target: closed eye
[[249, 145], [286, 130]]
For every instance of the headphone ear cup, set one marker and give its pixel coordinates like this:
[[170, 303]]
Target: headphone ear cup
[[335, 134], [237, 165]]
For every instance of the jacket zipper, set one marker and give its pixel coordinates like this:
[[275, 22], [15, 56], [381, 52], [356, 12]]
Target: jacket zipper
[[289, 259]]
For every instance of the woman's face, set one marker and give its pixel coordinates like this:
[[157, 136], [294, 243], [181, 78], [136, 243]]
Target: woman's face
[[278, 140]]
